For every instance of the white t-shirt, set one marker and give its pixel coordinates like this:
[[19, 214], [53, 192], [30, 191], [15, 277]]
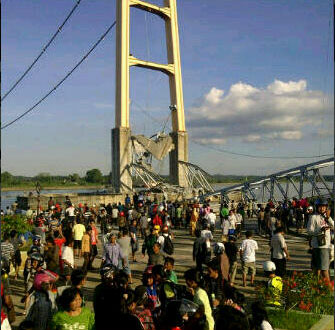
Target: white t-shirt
[[232, 221], [211, 218], [70, 211], [248, 248], [238, 218], [266, 325], [67, 254], [314, 227], [161, 240], [115, 213]]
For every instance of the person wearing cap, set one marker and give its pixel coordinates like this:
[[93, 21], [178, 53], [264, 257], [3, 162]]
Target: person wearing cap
[[274, 284], [113, 253], [319, 227]]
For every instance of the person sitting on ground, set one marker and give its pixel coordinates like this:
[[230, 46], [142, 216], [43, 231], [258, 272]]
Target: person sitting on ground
[[170, 273], [72, 313], [274, 284], [248, 256]]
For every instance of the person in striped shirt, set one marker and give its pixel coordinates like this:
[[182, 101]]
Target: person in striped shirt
[[7, 250]]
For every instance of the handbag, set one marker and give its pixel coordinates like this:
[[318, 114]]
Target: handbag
[[321, 239]]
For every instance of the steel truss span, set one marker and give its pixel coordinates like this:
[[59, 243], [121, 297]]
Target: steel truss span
[[289, 183]]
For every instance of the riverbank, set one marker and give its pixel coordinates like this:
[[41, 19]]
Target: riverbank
[[63, 187], [88, 187]]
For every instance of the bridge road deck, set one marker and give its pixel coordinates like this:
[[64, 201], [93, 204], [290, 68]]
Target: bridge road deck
[[183, 243]]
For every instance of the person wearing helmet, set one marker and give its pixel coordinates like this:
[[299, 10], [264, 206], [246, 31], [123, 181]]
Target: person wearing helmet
[[274, 284], [309, 213], [319, 227], [141, 309]]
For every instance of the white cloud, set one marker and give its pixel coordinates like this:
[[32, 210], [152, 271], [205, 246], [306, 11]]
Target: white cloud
[[280, 111]]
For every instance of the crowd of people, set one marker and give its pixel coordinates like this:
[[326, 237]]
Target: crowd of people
[[65, 245]]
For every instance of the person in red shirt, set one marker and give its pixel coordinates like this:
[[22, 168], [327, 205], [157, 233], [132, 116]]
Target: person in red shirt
[[157, 221], [94, 242], [59, 241]]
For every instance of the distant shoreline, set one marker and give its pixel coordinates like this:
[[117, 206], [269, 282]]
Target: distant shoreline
[[79, 187], [33, 189]]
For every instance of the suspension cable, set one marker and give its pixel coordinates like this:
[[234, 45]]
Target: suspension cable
[[60, 82], [43, 50]]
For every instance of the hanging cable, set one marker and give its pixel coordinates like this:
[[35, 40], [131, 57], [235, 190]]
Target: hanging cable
[[259, 156], [43, 50], [68, 75]]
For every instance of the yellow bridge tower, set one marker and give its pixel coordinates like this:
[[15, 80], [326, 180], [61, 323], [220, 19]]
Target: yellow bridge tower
[[121, 134]]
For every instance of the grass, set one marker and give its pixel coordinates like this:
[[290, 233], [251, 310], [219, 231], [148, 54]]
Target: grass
[[292, 320]]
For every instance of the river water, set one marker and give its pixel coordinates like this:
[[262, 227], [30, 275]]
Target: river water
[[9, 197]]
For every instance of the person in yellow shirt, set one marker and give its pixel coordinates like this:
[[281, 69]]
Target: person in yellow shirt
[[194, 220], [274, 285], [200, 297], [78, 231]]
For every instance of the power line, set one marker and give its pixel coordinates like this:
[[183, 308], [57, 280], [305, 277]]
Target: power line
[[259, 156], [68, 75], [43, 50]]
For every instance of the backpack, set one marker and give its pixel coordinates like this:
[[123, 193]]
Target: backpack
[[168, 245]]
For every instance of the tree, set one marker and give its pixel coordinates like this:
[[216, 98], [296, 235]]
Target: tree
[[94, 176], [74, 177], [6, 178], [43, 177]]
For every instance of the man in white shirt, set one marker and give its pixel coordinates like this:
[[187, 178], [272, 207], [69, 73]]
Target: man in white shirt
[[248, 256], [279, 251], [211, 218], [319, 227], [115, 215]]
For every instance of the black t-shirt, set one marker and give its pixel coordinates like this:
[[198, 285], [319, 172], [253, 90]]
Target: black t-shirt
[[231, 251]]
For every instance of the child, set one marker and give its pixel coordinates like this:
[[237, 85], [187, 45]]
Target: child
[[168, 266], [148, 281]]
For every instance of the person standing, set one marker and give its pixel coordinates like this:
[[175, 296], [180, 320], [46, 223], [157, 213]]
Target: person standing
[[248, 256], [231, 251], [194, 220], [67, 256], [51, 255], [94, 243], [279, 253], [125, 245], [78, 231], [86, 248], [260, 221], [319, 227], [113, 253]]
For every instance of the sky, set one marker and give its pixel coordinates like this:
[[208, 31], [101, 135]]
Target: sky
[[258, 78]]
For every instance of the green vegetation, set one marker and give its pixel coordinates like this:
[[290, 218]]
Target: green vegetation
[[92, 177], [15, 222], [292, 320]]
